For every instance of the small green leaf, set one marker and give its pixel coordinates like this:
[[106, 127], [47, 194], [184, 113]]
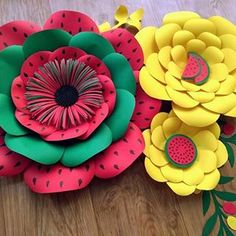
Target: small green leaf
[[206, 199], [228, 232], [225, 179], [221, 231], [230, 154], [226, 196], [209, 226]]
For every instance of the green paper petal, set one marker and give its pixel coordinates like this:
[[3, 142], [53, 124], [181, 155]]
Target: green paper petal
[[80, 152], [121, 72], [11, 60], [35, 148], [7, 117], [119, 120], [46, 40], [92, 43]]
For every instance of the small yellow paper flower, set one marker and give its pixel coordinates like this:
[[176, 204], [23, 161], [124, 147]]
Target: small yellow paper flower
[[166, 50], [186, 158]]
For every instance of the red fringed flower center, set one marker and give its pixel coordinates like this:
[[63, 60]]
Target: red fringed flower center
[[64, 94]]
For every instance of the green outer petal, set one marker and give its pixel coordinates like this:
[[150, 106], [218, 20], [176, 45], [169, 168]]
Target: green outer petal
[[35, 148], [121, 72], [7, 117], [11, 60], [80, 152], [119, 120], [46, 40], [92, 43]]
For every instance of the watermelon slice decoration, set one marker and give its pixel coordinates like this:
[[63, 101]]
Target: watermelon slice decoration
[[196, 69], [180, 150]]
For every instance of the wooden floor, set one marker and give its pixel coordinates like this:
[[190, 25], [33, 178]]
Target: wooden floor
[[131, 204]]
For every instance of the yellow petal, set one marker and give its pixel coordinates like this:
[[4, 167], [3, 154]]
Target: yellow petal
[[181, 99], [202, 96], [189, 131], [182, 189], [147, 140], [157, 156], [221, 154], [151, 86], [193, 175], [196, 45], [178, 54], [229, 58], [158, 138], [171, 114], [213, 55], [154, 171], [228, 86], [231, 113], [210, 86], [121, 13], [210, 39], [172, 82], [198, 26], [137, 15], [204, 139], [172, 173], [179, 17], [223, 26], [207, 160], [210, 181], [218, 72], [182, 37], [215, 129], [158, 120], [146, 39], [154, 68], [164, 56], [190, 86], [228, 41], [134, 25], [171, 126], [165, 34], [231, 221], [104, 27], [175, 70], [197, 116]]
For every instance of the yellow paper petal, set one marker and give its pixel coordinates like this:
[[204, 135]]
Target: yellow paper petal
[[146, 39], [154, 68], [171, 126], [164, 56], [175, 70], [213, 55], [181, 99], [104, 27], [190, 86], [179, 17], [221, 154], [172, 173], [207, 160], [179, 53], [193, 175], [121, 13], [147, 140], [137, 15], [189, 131], [158, 120], [205, 140], [154, 171], [202, 96], [165, 34], [172, 82], [197, 116], [157, 156], [198, 26], [171, 114], [231, 221], [134, 25], [158, 138], [228, 41], [151, 86], [182, 189], [227, 86], [210, 39], [210, 86], [229, 58], [210, 181], [231, 113], [215, 129], [218, 72], [182, 37], [196, 45]]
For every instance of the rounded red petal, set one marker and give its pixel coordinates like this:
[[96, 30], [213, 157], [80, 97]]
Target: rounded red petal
[[228, 129], [229, 208]]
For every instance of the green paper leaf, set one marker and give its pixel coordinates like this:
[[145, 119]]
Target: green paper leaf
[[11, 60], [206, 200], [119, 120], [221, 231], [46, 40], [7, 117], [225, 179], [228, 232], [230, 154], [226, 196], [35, 148], [81, 151], [208, 227], [92, 43], [121, 72]]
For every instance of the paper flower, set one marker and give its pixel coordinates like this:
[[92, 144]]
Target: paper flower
[[191, 61], [186, 158], [67, 96]]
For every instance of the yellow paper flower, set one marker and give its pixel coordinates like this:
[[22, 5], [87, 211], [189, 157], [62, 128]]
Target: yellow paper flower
[[186, 158], [166, 55]]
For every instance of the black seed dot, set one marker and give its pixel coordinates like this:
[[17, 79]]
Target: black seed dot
[[5, 44], [14, 29], [140, 141], [128, 59], [125, 140], [47, 183], [75, 54], [99, 64], [48, 169], [70, 32], [79, 19], [118, 44], [80, 29], [129, 41], [141, 102], [116, 167], [102, 166], [59, 171], [26, 35], [89, 58], [61, 184], [30, 64], [25, 74], [80, 181], [63, 51], [132, 152], [92, 29], [51, 21], [34, 180], [138, 113], [1, 167], [151, 107], [17, 164], [138, 60], [41, 58], [9, 153], [0, 33], [134, 50], [39, 167], [63, 15], [62, 25], [87, 167], [120, 34], [116, 153]]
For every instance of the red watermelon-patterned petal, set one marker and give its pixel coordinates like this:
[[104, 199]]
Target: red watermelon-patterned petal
[[18, 95], [229, 208], [58, 178], [71, 21], [32, 64], [121, 154], [96, 64], [16, 32], [126, 44], [11, 163], [66, 53]]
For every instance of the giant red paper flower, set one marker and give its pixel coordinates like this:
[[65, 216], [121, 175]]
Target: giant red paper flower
[[67, 95]]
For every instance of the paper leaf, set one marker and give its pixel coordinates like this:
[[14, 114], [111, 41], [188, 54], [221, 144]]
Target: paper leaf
[[228, 232], [221, 231], [208, 227], [226, 196], [206, 199], [230, 154], [225, 179]]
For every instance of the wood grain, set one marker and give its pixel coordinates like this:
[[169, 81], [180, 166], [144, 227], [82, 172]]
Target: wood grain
[[130, 204]]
